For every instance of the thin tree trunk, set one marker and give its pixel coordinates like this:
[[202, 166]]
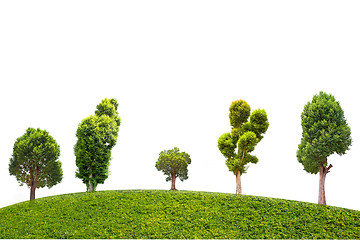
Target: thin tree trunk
[[322, 175], [32, 191], [238, 182], [33, 181], [173, 178], [91, 185]]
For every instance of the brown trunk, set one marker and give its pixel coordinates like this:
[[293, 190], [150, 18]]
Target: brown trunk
[[33, 186], [33, 181], [173, 178], [91, 185], [32, 191], [238, 182], [322, 175]]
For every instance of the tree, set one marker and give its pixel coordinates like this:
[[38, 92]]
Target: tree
[[35, 160], [97, 135], [174, 164], [245, 135], [325, 131]]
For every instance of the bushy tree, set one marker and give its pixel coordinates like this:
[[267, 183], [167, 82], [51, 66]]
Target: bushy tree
[[237, 145], [35, 160], [325, 131], [174, 164], [97, 135]]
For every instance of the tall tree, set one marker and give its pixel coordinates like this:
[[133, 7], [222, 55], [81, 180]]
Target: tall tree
[[325, 131], [35, 160], [97, 135], [174, 164], [245, 135]]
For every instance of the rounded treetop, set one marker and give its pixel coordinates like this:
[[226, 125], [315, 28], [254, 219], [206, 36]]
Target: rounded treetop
[[239, 113]]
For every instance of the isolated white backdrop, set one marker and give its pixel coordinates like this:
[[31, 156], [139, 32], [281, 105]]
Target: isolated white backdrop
[[175, 67]]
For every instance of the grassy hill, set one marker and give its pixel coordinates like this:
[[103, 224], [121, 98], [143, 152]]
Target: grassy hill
[[174, 214]]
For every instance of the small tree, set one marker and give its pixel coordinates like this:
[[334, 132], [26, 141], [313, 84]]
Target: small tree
[[97, 135], [174, 164], [325, 131], [35, 160], [245, 135]]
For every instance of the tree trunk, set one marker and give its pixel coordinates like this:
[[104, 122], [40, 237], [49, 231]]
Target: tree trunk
[[91, 185], [322, 175], [33, 180], [32, 191], [238, 182], [33, 186], [173, 178]]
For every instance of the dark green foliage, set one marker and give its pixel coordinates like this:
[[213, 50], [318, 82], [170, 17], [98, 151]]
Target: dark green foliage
[[35, 160], [245, 135], [325, 131], [174, 164], [97, 135], [175, 214]]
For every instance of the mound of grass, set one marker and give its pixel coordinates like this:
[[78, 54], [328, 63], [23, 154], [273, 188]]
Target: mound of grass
[[174, 214]]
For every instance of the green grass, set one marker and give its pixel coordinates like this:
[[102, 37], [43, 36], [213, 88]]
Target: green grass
[[174, 214]]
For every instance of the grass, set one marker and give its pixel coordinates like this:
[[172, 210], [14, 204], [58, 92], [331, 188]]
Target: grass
[[174, 214]]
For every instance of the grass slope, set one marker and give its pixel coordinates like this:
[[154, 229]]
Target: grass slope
[[174, 214]]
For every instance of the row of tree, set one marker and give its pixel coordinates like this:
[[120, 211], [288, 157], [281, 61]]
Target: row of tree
[[35, 154], [325, 131]]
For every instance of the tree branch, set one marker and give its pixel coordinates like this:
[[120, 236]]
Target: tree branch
[[328, 168]]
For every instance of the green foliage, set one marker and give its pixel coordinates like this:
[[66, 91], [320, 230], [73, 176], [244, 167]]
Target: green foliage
[[97, 135], [325, 131], [35, 159], [258, 123], [245, 135], [174, 164], [227, 145], [239, 113], [108, 107], [158, 214], [247, 141]]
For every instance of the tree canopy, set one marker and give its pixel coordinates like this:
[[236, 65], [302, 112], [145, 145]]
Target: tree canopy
[[324, 132], [245, 135], [35, 160], [97, 135], [174, 164]]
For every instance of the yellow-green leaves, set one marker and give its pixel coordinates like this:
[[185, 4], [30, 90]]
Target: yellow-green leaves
[[258, 123], [245, 134], [108, 107], [247, 142], [227, 145], [155, 214], [239, 113]]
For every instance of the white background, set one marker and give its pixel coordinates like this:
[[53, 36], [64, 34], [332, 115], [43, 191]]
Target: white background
[[175, 67]]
